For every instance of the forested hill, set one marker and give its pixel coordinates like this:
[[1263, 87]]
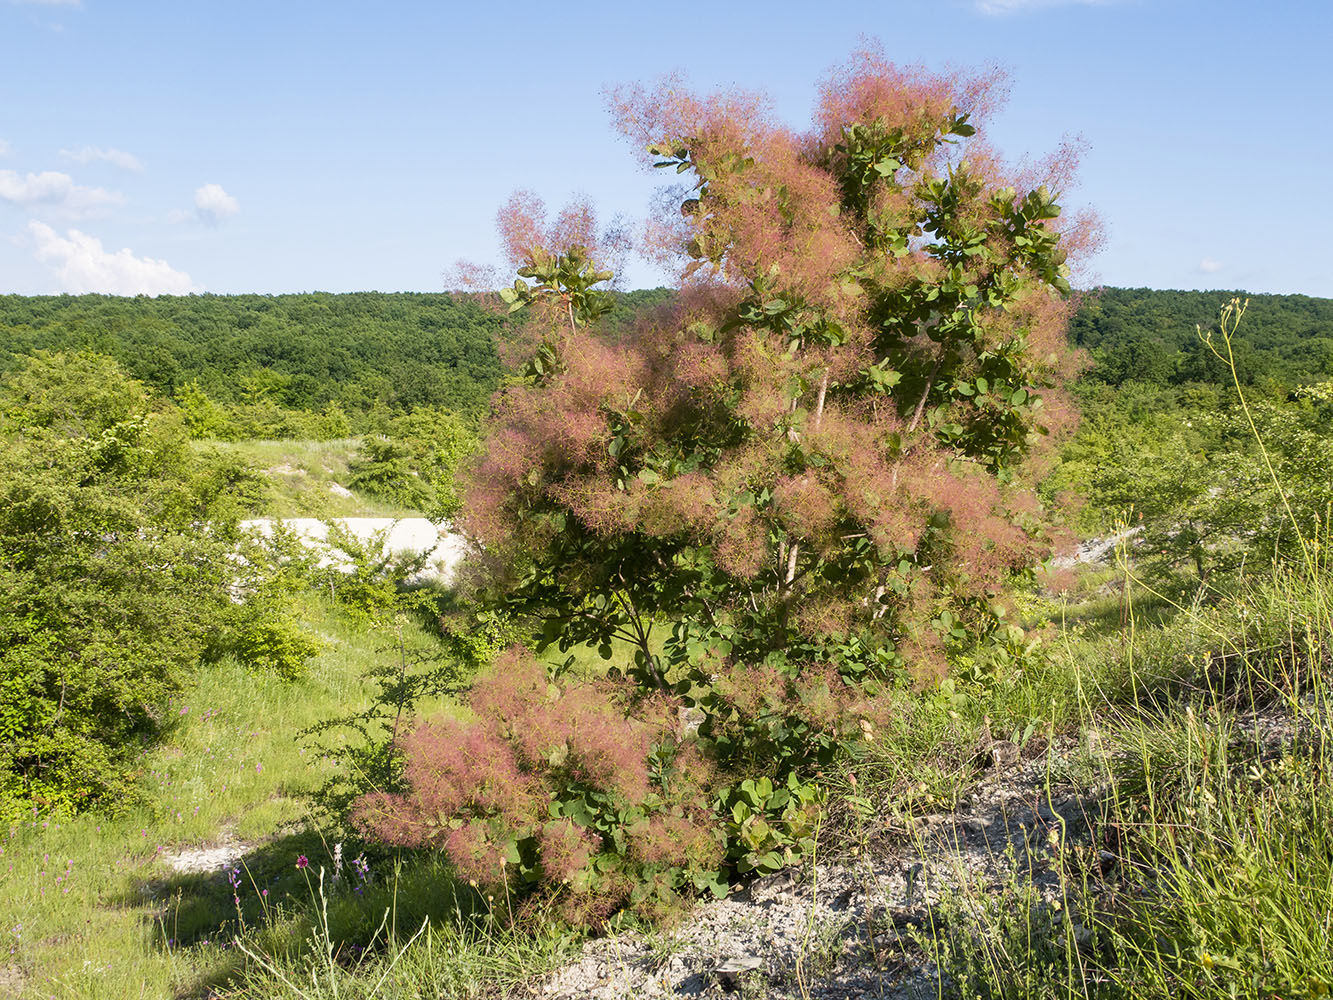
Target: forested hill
[[410, 350], [403, 350], [1150, 336]]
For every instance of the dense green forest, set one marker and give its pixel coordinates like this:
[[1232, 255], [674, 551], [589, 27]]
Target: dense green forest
[[407, 350], [1144, 335], [401, 350]]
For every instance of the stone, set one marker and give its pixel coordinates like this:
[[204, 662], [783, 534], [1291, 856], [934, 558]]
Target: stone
[[1004, 754], [730, 969]]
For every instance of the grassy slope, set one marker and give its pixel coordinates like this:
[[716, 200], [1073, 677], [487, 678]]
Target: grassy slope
[[94, 905], [89, 901], [92, 909], [301, 475]]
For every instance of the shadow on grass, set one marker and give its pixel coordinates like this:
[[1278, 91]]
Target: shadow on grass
[[1109, 612], [273, 904]]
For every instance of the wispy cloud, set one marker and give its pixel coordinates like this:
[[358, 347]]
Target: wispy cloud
[[55, 190], [4, 149], [47, 3], [212, 204], [1210, 266], [82, 265], [1005, 8], [116, 157]]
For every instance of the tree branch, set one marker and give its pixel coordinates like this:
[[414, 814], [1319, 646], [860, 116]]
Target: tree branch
[[921, 404]]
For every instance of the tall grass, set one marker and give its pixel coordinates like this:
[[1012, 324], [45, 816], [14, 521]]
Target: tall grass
[[1214, 841]]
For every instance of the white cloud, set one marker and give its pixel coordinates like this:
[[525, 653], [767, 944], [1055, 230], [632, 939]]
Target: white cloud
[[1002, 8], [4, 149], [82, 265], [213, 204], [116, 157], [1210, 266], [56, 190]]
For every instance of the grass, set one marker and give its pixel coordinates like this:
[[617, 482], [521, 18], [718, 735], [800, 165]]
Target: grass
[[1231, 832], [302, 476], [1215, 766], [1222, 882], [91, 902]]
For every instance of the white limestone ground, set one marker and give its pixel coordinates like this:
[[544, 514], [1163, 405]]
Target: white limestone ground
[[854, 930], [1094, 549], [410, 536], [202, 860], [850, 932]]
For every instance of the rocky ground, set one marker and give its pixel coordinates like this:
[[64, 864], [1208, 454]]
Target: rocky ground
[[847, 928], [851, 927]]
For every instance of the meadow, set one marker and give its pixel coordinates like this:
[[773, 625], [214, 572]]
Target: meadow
[[1174, 689], [1198, 732]]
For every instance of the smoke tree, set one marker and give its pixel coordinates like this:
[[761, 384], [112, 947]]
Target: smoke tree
[[810, 473], [829, 435]]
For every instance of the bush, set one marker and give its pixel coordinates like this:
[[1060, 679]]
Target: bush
[[383, 469], [114, 560], [414, 461], [578, 792], [814, 467], [277, 645]]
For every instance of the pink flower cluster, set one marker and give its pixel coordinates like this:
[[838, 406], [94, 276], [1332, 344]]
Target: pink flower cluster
[[480, 786]]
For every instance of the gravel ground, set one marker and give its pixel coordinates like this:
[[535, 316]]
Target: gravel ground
[[847, 933]]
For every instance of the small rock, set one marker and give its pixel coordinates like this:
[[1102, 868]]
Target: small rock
[[12, 980], [729, 970], [1004, 754], [691, 718], [1093, 741]]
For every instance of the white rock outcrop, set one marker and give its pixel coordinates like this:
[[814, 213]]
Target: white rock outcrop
[[412, 536]]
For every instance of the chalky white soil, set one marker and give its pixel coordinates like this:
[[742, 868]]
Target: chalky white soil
[[848, 930], [411, 536]]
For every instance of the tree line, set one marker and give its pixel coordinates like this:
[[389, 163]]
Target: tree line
[[1147, 335], [397, 352]]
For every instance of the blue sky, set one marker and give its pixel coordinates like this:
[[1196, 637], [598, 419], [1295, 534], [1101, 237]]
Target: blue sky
[[292, 146]]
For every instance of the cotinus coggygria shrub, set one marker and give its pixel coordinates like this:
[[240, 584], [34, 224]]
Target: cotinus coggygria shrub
[[809, 474], [573, 790]]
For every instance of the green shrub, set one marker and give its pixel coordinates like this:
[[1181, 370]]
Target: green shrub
[[277, 645], [112, 585], [413, 461]]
